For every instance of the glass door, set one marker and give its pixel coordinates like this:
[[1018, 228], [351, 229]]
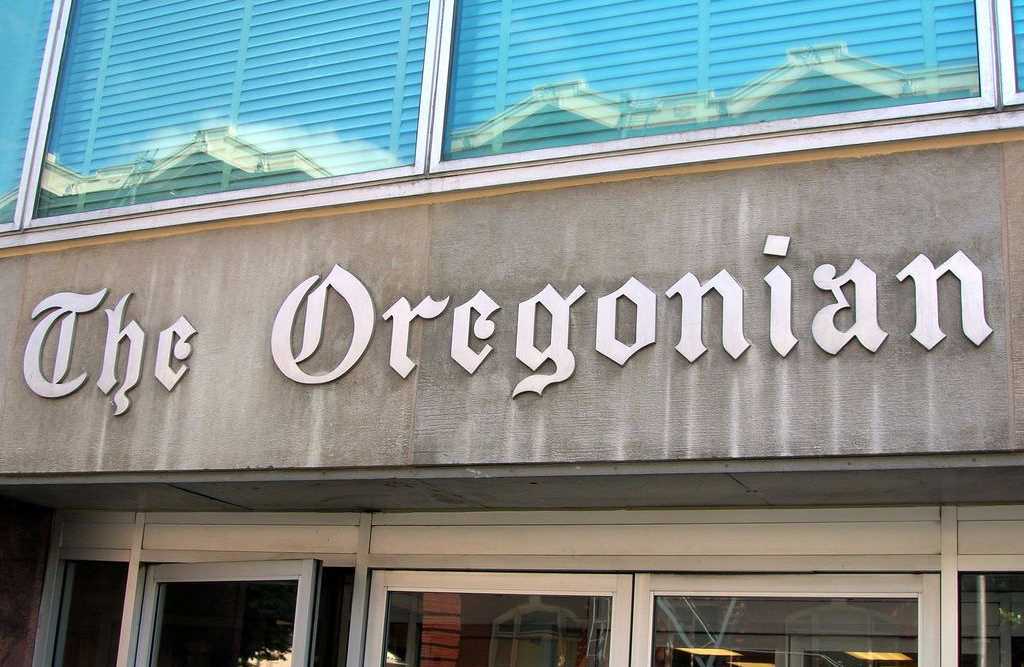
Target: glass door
[[210, 615]]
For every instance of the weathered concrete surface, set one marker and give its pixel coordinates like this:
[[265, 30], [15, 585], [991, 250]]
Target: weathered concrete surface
[[24, 540], [1013, 180], [234, 410]]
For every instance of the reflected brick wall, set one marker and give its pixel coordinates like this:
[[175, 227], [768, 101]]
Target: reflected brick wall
[[24, 537]]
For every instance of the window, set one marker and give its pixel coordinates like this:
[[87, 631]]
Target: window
[[92, 603], [532, 75], [228, 613], [23, 37], [165, 100], [992, 619], [805, 621], [501, 620]]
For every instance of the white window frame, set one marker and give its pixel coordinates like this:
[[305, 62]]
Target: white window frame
[[38, 135], [987, 98], [1007, 50], [302, 571], [616, 586], [922, 587]]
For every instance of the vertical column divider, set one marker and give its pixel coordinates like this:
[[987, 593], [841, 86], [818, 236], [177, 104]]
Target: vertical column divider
[[949, 628], [360, 594], [128, 640]]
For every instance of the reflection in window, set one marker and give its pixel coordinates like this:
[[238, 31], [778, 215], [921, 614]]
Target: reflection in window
[[992, 620], [236, 623], [493, 630], [22, 39], [784, 632], [159, 100], [529, 75], [92, 601], [1017, 10]]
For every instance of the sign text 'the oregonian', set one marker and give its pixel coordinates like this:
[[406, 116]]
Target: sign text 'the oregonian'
[[58, 313]]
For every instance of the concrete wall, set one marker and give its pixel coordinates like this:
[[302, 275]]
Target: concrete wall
[[24, 540], [235, 410]]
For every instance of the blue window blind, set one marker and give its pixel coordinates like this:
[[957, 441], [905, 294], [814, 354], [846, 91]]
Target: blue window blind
[[159, 100], [1017, 11], [22, 39], [530, 74]]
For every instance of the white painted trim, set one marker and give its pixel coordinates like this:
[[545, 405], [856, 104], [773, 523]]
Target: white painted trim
[[439, 110], [1007, 52], [950, 613], [35, 147], [46, 86], [190, 212], [618, 587], [303, 571], [128, 639], [428, 85], [991, 563], [666, 516], [360, 596], [49, 604], [922, 587]]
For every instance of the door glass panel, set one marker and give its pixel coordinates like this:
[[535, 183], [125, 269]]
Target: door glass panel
[[91, 608], [225, 623], [784, 632], [496, 630], [992, 620]]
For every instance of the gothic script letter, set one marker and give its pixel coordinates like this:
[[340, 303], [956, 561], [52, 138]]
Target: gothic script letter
[[483, 329], [136, 338], [972, 298], [607, 319], [166, 347], [358, 299], [557, 350], [401, 315], [865, 325], [780, 324], [691, 292], [66, 306]]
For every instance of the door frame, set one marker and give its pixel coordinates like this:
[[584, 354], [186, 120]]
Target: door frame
[[302, 571]]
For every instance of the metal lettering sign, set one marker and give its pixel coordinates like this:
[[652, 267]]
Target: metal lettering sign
[[472, 321]]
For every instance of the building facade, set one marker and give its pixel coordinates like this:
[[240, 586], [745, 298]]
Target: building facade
[[604, 333]]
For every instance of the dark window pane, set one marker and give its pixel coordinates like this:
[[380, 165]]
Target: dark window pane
[[334, 614], [93, 600], [473, 629], [992, 620], [226, 624], [808, 632]]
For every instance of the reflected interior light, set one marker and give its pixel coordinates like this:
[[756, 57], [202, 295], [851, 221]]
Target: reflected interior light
[[709, 651], [875, 656], [744, 663], [393, 659]]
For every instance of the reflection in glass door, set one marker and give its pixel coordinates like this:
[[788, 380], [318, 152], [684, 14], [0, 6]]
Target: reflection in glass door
[[238, 615]]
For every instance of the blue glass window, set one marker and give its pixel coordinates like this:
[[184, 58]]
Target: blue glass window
[[531, 74], [159, 100], [1017, 11], [22, 39]]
